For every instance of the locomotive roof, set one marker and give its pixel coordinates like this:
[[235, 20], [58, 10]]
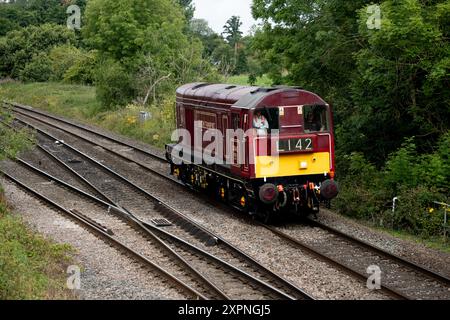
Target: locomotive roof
[[246, 97]]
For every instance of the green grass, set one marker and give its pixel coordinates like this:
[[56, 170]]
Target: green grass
[[79, 102], [74, 101], [31, 267], [263, 81]]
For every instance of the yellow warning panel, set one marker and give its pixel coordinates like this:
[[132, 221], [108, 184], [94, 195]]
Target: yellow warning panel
[[287, 165]]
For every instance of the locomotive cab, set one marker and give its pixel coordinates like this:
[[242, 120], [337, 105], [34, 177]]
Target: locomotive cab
[[294, 156]]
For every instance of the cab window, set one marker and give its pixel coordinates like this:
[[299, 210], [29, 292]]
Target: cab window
[[236, 121], [266, 119], [316, 118]]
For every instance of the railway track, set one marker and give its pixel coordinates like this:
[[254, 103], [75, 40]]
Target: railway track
[[121, 192], [89, 214], [157, 250], [402, 279]]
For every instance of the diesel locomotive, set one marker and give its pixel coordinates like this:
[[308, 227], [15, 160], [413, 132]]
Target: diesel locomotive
[[264, 151]]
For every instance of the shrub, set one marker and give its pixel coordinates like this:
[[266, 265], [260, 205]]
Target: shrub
[[114, 85], [19, 47], [416, 180], [39, 69], [401, 167], [361, 195], [83, 70], [72, 65], [413, 212], [62, 58]]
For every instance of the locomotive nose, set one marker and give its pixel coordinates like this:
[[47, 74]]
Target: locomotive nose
[[329, 189]]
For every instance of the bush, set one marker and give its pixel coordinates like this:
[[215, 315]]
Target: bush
[[39, 69], [83, 70], [62, 58], [416, 180], [20, 47], [72, 65], [362, 194], [401, 168], [413, 212], [114, 85]]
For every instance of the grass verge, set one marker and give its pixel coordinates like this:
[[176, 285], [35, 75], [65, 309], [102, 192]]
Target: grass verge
[[263, 81], [79, 102], [31, 267]]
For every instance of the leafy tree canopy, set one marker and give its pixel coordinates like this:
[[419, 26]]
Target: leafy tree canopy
[[23, 13], [232, 30], [19, 47], [385, 84], [124, 29]]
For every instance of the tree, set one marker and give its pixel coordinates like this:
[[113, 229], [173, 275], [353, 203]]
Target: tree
[[13, 16], [129, 33], [125, 29], [210, 39], [188, 8], [401, 88], [24, 13], [385, 84], [233, 34], [19, 47], [232, 30]]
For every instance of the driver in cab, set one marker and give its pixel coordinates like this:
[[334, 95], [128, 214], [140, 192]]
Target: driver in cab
[[260, 123]]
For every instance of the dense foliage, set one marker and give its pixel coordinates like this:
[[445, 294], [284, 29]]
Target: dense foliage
[[416, 180], [24, 13], [31, 45], [144, 45], [388, 83], [385, 84]]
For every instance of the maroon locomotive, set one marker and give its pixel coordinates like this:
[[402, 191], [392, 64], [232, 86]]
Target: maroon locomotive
[[265, 151]]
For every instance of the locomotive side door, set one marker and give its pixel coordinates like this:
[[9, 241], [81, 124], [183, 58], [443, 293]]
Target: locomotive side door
[[239, 144], [245, 127], [189, 122], [225, 127], [234, 153]]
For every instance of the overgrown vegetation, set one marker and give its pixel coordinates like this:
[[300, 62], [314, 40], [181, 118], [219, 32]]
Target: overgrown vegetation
[[12, 142], [80, 103], [31, 267], [390, 88], [416, 180]]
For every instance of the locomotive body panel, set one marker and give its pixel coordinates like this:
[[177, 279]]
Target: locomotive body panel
[[293, 165]]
